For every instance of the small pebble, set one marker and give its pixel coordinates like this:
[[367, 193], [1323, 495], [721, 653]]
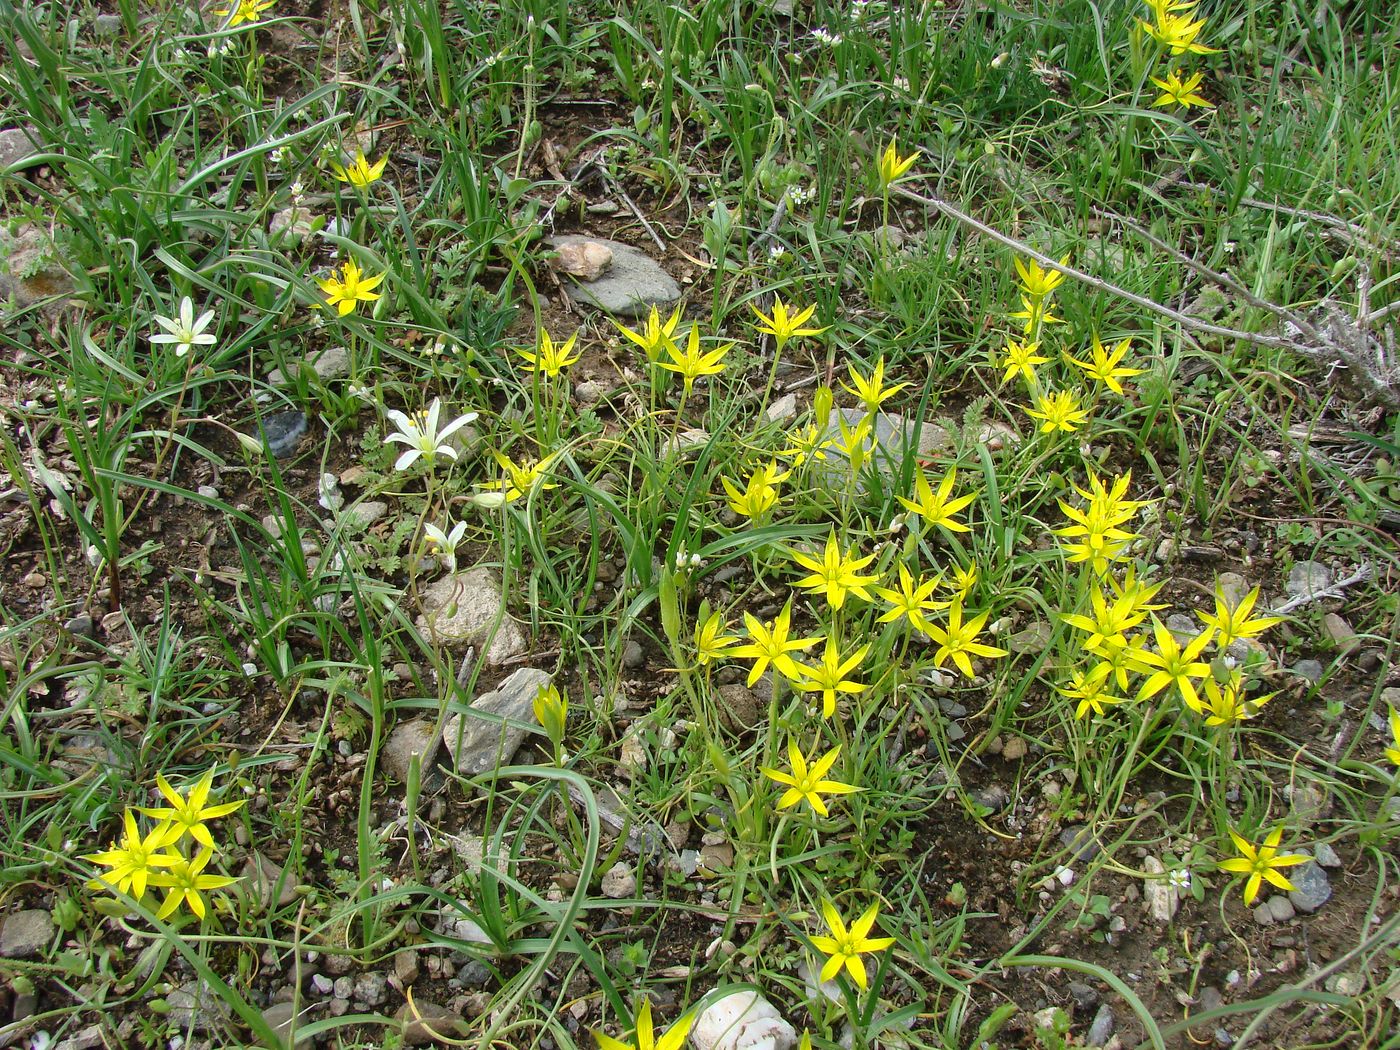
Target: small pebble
[[1311, 888]]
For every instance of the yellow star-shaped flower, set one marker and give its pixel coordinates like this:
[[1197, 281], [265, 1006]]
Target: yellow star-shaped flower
[[845, 947], [1259, 864], [936, 508], [360, 172], [836, 573], [805, 782]]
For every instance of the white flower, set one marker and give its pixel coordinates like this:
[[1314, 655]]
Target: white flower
[[422, 436], [1180, 879], [823, 36], [444, 544], [187, 331]]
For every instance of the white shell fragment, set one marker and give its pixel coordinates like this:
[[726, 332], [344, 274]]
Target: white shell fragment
[[742, 1020]]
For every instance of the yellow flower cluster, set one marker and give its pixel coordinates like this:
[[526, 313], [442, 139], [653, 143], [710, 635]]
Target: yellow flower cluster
[[1176, 30], [1056, 410], [162, 857], [1119, 605]]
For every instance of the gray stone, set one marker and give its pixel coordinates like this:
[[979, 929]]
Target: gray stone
[[372, 988], [1263, 914], [479, 744], [31, 267], [1183, 627], [619, 882], [26, 933], [1308, 578], [195, 1007], [18, 144], [87, 1039], [1325, 855], [1310, 803], [462, 609], [894, 433], [323, 984], [418, 736], [1161, 896], [1310, 670], [455, 923], [993, 798], [331, 363], [474, 974], [1085, 996], [282, 1017], [425, 1023], [1339, 633], [26, 1006], [1233, 586], [263, 883], [632, 285], [888, 238], [1032, 639], [367, 512], [783, 409], [633, 655], [81, 625], [1280, 908], [1101, 1029], [1080, 841], [107, 26], [1311, 888], [590, 391], [281, 432]]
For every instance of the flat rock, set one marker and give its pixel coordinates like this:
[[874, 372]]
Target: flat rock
[[1308, 670], [1161, 896], [1311, 888], [479, 744], [783, 409], [31, 267], [282, 1016], [25, 933], [195, 1007], [281, 432], [425, 1023], [462, 609], [1308, 578], [261, 878], [1339, 633], [1233, 586], [367, 512], [333, 362], [1080, 841], [419, 736], [17, 144], [1034, 638], [632, 285]]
